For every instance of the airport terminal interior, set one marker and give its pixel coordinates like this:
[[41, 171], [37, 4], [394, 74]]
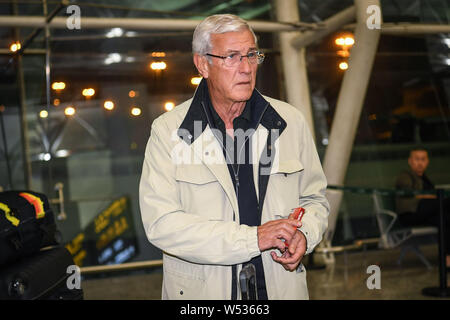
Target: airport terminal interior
[[82, 81]]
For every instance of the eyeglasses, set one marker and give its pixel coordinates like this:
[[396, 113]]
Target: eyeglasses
[[234, 59]]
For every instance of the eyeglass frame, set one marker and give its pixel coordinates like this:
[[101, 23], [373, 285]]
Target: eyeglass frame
[[259, 54]]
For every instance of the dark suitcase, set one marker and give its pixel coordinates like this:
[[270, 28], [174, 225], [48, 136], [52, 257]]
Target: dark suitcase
[[27, 224], [43, 275]]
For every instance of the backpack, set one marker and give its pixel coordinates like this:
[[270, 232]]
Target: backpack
[[27, 224]]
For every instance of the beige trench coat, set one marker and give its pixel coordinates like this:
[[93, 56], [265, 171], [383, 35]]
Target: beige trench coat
[[188, 204]]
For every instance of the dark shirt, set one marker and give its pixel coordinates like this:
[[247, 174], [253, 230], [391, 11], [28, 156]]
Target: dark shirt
[[408, 180], [238, 155], [427, 184], [243, 122]]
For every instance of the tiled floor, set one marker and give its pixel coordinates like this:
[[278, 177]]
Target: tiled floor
[[346, 279]]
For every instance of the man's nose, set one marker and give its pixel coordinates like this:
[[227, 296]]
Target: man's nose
[[244, 65]]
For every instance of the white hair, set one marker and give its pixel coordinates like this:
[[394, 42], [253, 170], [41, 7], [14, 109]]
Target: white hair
[[218, 23]]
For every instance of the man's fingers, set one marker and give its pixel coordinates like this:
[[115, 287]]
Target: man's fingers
[[294, 243], [290, 227], [271, 232], [281, 260], [287, 235], [295, 223], [280, 245], [291, 259]]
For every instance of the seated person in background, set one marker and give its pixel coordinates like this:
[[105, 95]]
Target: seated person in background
[[422, 209]]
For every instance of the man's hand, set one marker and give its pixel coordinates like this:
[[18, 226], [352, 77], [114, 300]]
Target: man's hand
[[292, 257], [271, 233]]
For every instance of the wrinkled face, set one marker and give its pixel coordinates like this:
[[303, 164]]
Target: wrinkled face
[[230, 84], [418, 161]]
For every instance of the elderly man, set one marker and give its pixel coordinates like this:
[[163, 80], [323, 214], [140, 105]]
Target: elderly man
[[222, 172]]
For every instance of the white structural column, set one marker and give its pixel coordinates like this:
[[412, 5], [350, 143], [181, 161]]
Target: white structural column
[[349, 105], [293, 61]]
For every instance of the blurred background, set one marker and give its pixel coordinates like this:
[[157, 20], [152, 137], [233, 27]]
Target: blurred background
[[77, 106]]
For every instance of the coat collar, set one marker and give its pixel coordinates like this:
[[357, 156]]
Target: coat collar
[[200, 116]]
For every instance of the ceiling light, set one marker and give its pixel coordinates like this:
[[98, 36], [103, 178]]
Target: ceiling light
[[343, 53], [346, 40], [169, 105], [161, 65], [88, 92], [131, 34], [136, 111], [114, 33], [349, 41], [62, 153], [158, 54], [43, 114], [45, 156], [113, 58], [196, 80], [69, 111], [447, 41], [58, 86], [340, 41], [15, 46], [108, 105], [343, 65]]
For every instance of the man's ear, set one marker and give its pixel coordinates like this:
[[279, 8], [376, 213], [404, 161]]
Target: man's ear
[[202, 65]]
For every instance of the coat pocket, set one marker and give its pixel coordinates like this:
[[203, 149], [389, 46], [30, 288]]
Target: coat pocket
[[287, 167], [194, 174], [201, 193], [182, 280], [283, 190]]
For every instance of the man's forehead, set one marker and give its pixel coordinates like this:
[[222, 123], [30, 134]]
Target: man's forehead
[[235, 40], [419, 153]]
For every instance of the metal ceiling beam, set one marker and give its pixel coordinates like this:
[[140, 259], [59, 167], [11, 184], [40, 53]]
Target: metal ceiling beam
[[143, 24], [403, 29], [330, 25], [314, 33]]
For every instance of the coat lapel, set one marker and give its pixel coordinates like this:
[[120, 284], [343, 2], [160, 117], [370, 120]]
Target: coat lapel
[[208, 150]]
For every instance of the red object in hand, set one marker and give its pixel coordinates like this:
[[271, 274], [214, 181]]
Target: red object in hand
[[298, 215]]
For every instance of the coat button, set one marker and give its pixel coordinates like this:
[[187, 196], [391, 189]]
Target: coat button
[[278, 123], [181, 292]]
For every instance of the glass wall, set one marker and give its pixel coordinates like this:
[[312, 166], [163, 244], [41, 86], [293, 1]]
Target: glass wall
[[88, 129], [406, 105]]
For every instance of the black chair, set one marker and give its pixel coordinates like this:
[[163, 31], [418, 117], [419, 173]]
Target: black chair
[[408, 239]]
